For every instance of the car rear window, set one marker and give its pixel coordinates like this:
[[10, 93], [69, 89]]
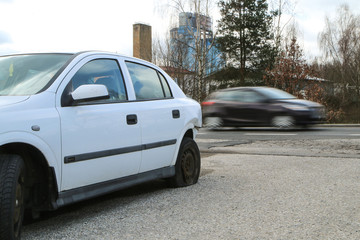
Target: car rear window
[[148, 82]]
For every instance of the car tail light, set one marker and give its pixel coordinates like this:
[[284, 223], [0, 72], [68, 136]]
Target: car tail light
[[207, 103]]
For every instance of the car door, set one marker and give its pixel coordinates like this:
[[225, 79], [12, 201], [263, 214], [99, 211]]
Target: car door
[[101, 139], [248, 107], [159, 115]]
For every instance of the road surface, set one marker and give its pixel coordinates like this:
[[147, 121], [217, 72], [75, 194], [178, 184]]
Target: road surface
[[254, 184]]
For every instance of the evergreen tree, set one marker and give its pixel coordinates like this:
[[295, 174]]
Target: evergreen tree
[[245, 36]]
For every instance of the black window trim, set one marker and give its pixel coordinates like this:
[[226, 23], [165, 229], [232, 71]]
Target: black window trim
[[159, 76], [162, 87], [102, 102]]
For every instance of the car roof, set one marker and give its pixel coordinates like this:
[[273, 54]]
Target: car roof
[[84, 53], [90, 53], [213, 95], [243, 88]]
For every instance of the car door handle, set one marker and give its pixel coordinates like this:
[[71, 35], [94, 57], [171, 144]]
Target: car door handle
[[131, 119], [176, 113]]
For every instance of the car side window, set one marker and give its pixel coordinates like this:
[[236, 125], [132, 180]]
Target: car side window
[[148, 83], [241, 96], [105, 72], [230, 96], [251, 97]]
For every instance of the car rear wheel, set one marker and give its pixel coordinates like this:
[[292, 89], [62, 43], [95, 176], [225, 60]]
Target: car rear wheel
[[213, 122], [12, 181], [283, 122], [187, 167]]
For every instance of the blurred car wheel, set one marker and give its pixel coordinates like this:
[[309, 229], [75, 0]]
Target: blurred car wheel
[[213, 122], [283, 122]]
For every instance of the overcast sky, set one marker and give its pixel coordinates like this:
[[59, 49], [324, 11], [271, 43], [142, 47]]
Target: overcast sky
[[310, 16], [76, 25]]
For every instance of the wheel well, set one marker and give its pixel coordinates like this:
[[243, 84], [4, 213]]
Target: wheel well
[[189, 133], [41, 187]]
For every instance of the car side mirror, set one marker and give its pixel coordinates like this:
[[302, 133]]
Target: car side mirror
[[90, 92]]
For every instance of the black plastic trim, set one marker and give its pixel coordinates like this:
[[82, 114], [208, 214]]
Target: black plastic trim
[[131, 119], [78, 102], [167, 83], [94, 190], [117, 151], [151, 99], [158, 144], [176, 113], [113, 102]]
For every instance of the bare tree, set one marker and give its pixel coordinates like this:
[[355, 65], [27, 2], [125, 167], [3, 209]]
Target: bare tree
[[173, 56], [201, 43], [283, 14], [340, 45]]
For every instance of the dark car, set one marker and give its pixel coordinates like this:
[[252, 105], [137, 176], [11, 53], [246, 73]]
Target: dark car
[[259, 106]]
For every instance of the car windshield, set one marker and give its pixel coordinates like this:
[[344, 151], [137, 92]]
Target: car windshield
[[28, 74], [275, 94]]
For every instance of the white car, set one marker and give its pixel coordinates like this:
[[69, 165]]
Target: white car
[[76, 126]]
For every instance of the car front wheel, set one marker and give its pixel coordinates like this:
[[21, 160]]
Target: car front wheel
[[213, 122], [12, 179], [187, 167], [283, 122]]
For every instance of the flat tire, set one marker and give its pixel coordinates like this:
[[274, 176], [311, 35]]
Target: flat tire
[[188, 163]]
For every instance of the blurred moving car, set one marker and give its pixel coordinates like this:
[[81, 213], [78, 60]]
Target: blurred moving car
[[259, 106]]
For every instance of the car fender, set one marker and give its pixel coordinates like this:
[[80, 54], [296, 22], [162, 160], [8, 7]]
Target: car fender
[[36, 142], [192, 121], [191, 125]]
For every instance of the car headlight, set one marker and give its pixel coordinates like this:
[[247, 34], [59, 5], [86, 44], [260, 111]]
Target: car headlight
[[296, 107]]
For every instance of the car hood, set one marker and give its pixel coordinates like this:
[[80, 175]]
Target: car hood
[[302, 102], [9, 100]]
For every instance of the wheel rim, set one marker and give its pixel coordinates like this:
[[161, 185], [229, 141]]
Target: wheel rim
[[283, 121], [213, 122], [188, 166], [19, 203]]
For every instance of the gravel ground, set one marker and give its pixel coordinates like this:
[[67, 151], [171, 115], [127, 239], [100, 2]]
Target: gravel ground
[[340, 148], [255, 191]]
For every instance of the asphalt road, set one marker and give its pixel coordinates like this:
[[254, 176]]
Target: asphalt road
[[208, 139], [254, 184]]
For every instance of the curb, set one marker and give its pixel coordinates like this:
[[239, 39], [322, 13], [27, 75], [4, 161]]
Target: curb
[[340, 125]]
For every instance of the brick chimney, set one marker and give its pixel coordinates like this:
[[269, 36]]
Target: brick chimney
[[142, 42]]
